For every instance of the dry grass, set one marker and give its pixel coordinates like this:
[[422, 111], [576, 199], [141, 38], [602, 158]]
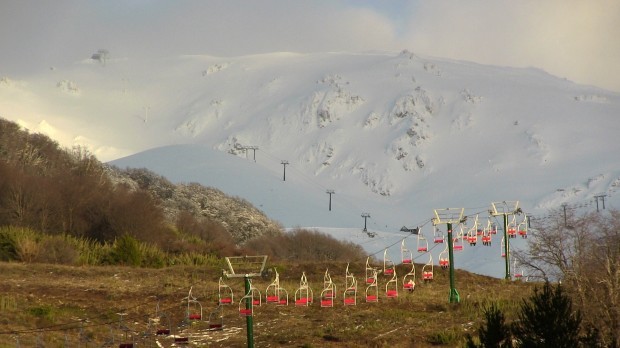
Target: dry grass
[[49, 303]]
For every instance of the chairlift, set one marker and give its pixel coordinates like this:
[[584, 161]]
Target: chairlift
[[472, 238], [127, 340], [406, 256], [486, 239], [438, 236], [391, 287], [194, 308], [276, 294], [444, 261], [409, 279], [303, 295], [487, 233], [225, 293], [522, 228], [216, 319], [350, 292], [371, 273], [512, 228], [162, 320], [253, 296], [457, 242], [518, 272], [181, 340], [328, 294], [422, 243], [427, 269], [388, 265], [472, 233], [372, 290]]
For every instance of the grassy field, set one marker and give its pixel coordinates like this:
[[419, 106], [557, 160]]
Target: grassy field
[[63, 306]]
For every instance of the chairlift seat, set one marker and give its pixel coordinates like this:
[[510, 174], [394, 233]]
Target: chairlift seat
[[370, 280], [163, 332], [181, 340], [348, 301], [304, 301], [194, 316], [245, 312], [438, 240], [372, 298], [427, 275], [389, 271], [216, 327], [422, 249], [408, 286], [273, 299], [457, 247], [226, 300], [391, 293], [512, 233], [327, 303], [407, 261]]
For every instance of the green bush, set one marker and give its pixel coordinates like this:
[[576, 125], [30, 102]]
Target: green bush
[[495, 333], [548, 320], [18, 244], [444, 337], [8, 251], [126, 251], [43, 312]]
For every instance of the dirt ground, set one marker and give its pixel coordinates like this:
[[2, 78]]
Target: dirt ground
[[64, 306]]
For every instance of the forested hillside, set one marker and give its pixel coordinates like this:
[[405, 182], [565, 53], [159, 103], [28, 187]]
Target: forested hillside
[[49, 191]]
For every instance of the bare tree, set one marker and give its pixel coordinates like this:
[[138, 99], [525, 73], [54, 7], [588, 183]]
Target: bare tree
[[584, 254]]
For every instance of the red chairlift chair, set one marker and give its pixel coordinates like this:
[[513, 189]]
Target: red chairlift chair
[[276, 294], [406, 256], [422, 243], [427, 269], [444, 261], [388, 265], [372, 290], [225, 293], [350, 292], [391, 287], [303, 295], [438, 237]]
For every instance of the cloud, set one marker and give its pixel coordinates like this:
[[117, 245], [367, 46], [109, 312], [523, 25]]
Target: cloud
[[576, 39]]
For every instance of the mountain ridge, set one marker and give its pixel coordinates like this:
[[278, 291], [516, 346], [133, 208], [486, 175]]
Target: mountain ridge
[[371, 125]]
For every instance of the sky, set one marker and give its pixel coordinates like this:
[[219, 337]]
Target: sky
[[573, 39]]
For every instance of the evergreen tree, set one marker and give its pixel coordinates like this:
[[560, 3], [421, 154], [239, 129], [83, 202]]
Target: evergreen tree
[[547, 319], [494, 333]]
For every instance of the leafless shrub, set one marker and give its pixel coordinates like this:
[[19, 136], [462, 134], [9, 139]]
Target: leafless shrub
[[582, 252]]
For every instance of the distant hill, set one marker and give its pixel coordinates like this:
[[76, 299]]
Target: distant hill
[[55, 190]]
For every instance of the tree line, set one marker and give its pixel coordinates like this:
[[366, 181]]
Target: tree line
[[69, 194], [578, 258]]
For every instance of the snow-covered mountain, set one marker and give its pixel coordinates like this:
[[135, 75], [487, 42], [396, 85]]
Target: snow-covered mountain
[[394, 135]]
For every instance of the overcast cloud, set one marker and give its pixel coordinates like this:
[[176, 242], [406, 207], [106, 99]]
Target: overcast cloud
[[576, 39]]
